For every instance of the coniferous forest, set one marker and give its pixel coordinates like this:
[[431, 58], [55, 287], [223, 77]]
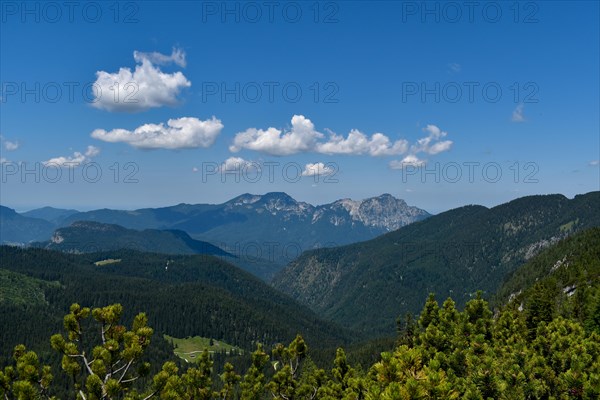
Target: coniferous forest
[[299, 200], [541, 341]]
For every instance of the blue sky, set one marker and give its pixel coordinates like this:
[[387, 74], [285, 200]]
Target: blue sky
[[437, 103]]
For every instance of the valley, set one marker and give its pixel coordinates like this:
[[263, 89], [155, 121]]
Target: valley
[[535, 258], [299, 200]]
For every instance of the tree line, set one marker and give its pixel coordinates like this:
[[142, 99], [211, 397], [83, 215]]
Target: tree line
[[443, 354]]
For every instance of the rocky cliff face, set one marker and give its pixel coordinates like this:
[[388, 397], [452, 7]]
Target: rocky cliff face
[[383, 212]]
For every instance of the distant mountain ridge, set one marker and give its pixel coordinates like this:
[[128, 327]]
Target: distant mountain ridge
[[384, 211], [18, 229], [272, 227], [90, 236], [366, 285], [276, 226], [50, 214]]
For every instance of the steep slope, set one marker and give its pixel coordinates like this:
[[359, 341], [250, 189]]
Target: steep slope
[[367, 285], [87, 237], [566, 276], [182, 295], [17, 229]]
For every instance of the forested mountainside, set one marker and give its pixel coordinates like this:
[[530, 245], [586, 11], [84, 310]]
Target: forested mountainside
[[543, 342], [444, 354], [89, 237], [562, 280], [183, 296], [364, 286]]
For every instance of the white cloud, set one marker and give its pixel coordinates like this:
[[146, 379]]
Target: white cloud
[[440, 147], [181, 133], [11, 146], [317, 169], [358, 143], [76, 159], [408, 161], [3, 160], [195, 169], [238, 164], [431, 144], [301, 137], [454, 67], [144, 88], [594, 163], [177, 56], [518, 114]]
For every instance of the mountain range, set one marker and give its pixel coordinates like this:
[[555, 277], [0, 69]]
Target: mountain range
[[365, 286], [264, 232], [89, 237], [536, 255]]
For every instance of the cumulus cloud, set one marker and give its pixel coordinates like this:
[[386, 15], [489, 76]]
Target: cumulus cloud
[[317, 169], [408, 161], [238, 164], [177, 56], [518, 114], [8, 144], [181, 133], [431, 144], [144, 88], [76, 159], [358, 143], [594, 163], [301, 137]]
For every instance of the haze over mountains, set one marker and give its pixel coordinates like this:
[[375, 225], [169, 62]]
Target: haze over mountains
[[16, 228], [266, 230]]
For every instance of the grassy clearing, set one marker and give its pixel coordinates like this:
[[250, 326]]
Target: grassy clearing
[[189, 348], [107, 261], [568, 226]]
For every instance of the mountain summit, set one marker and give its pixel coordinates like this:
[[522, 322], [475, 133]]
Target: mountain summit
[[272, 227]]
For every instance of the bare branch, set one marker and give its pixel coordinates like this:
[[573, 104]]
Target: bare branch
[[120, 368], [149, 396], [130, 380], [87, 366], [125, 372]]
